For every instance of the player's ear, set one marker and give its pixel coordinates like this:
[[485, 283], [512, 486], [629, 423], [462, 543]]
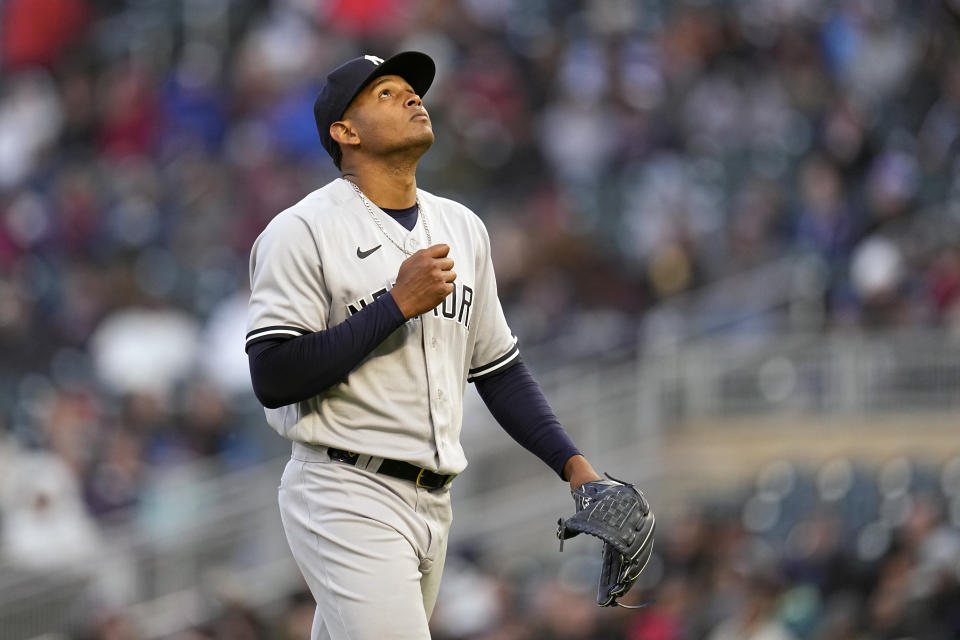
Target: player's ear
[[342, 132]]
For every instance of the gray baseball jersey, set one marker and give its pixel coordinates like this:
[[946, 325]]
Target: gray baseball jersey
[[324, 259]]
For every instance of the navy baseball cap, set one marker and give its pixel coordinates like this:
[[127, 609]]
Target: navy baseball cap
[[346, 81]]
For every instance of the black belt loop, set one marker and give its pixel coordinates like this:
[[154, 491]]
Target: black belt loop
[[423, 478]]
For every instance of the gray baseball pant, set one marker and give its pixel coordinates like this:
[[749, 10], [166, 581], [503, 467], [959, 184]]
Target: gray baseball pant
[[371, 547]]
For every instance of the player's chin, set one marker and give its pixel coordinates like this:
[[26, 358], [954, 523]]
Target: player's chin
[[421, 139], [422, 128]]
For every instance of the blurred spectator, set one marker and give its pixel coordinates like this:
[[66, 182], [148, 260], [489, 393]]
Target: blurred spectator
[[238, 623], [297, 618], [30, 117], [826, 223], [37, 32], [755, 616], [472, 603], [45, 525], [669, 617], [129, 364], [877, 275], [567, 613], [115, 479], [111, 625]]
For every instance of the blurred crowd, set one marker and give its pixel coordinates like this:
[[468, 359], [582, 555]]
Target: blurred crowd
[[623, 153], [843, 552]]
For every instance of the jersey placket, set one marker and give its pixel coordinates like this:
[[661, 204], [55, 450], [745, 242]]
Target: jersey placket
[[430, 343]]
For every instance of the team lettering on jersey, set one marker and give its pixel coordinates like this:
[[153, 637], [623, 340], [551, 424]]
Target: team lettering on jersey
[[455, 306]]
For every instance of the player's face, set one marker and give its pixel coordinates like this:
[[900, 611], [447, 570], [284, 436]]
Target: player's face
[[388, 116]]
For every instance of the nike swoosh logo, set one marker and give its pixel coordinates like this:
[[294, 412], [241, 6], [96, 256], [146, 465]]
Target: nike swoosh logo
[[364, 254]]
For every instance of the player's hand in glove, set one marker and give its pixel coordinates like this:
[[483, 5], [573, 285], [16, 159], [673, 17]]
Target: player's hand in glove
[[619, 514]]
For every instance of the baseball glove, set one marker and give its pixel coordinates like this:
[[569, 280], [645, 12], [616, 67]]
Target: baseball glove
[[619, 514]]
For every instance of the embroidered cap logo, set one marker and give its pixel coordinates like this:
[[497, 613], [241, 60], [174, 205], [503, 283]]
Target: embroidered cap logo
[[374, 59]]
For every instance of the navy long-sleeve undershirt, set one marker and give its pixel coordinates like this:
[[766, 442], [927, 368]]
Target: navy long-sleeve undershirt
[[517, 403], [285, 371]]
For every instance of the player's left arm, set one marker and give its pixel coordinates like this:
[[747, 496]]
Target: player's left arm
[[517, 403], [506, 385]]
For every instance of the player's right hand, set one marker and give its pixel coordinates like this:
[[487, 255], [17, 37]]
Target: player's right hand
[[424, 280]]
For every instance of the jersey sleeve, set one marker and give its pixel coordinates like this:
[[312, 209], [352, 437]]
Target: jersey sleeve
[[495, 347], [288, 296]]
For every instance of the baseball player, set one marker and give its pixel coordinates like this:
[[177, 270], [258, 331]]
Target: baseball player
[[373, 303]]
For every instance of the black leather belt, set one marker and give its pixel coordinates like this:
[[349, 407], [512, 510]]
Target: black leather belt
[[423, 478]]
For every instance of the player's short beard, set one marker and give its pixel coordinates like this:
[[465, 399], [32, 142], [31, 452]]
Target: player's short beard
[[400, 153], [408, 150]]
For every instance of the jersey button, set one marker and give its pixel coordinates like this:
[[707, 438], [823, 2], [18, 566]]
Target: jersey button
[[433, 343]]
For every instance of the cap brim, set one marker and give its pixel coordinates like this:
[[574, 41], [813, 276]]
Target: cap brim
[[416, 68]]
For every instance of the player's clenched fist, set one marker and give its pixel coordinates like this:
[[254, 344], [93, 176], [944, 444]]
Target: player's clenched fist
[[424, 280]]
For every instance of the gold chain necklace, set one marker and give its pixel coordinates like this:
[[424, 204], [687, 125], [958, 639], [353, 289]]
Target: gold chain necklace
[[426, 226]]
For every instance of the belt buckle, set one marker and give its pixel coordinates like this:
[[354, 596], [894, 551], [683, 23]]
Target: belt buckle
[[420, 477]]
